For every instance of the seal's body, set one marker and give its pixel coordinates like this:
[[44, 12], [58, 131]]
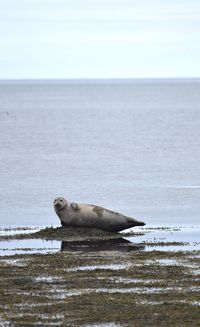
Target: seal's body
[[88, 215]]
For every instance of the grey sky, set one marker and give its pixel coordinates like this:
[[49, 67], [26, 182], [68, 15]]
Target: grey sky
[[99, 38]]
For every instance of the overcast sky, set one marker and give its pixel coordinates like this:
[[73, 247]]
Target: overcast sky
[[99, 38]]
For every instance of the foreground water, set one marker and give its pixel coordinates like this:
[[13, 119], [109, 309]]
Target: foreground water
[[131, 146]]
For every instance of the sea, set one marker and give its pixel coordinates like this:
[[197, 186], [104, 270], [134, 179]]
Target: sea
[[132, 146]]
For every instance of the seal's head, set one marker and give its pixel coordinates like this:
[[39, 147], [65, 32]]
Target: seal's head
[[60, 204]]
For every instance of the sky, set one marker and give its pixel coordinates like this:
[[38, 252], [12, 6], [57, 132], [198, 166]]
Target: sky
[[99, 38]]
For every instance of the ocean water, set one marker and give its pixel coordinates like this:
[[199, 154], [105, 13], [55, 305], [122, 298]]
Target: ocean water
[[132, 146]]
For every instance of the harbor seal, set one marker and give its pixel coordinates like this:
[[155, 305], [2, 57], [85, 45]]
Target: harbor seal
[[88, 215]]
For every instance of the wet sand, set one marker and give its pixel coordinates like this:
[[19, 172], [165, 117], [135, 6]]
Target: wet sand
[[81, 277]]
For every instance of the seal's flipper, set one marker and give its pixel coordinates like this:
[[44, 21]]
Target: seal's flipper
[[74, 206]]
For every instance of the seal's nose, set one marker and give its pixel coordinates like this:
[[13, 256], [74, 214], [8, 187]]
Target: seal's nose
[[55, 202]]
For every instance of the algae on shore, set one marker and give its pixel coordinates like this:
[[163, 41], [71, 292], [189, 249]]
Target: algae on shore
[[92, 283], [64, 234]]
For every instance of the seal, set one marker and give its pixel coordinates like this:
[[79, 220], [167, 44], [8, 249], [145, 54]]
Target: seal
[[88, 215]]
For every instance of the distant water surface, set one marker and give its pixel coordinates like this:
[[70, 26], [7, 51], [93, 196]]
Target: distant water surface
[[132, 146]]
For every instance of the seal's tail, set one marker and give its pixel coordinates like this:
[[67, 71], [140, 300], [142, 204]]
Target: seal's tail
[[141, 223], [133, 222]]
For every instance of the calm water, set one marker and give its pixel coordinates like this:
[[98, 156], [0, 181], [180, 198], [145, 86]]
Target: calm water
[[131, 146]]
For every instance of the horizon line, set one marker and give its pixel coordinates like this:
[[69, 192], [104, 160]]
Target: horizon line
[[19, 79]]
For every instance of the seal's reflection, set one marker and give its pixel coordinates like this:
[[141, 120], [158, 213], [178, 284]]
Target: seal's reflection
[[116, 244]]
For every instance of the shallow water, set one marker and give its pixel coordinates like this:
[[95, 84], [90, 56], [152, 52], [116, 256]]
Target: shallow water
[[168, 239], [28, 246], [131, 146], [172, 239]]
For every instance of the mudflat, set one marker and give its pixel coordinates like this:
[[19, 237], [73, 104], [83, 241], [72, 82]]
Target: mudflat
[[149, 277]]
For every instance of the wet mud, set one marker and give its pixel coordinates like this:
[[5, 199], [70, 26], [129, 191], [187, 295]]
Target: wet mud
[[94, 278]]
